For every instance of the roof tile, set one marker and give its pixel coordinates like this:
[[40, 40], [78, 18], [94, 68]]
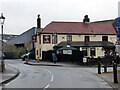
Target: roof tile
[[80, 28]]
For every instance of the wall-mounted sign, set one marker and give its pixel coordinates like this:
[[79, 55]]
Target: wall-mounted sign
[[64, 51], [70, 52], [34, 39], [57, 52], [84, 60], [46, 39], [67, 52]]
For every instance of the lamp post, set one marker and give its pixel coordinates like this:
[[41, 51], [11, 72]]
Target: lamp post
[[2, 19]]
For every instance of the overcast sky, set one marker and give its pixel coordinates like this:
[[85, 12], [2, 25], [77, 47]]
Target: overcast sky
[[21, 15]]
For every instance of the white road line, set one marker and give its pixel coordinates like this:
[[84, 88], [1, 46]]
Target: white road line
[[46, 86], [48, 71], [52, 78]]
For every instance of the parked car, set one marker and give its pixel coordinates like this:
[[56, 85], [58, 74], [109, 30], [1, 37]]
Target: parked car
[[28, 55]]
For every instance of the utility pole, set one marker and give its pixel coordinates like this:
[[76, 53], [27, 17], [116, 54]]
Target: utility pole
[[2, 19]]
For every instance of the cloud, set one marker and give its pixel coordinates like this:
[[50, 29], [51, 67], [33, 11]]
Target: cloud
[[21, 15]]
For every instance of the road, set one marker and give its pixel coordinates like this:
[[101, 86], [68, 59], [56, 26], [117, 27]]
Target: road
[[53, 77]]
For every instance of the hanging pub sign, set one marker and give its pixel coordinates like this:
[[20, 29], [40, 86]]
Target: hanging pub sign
[[46, 39], [34, 39]]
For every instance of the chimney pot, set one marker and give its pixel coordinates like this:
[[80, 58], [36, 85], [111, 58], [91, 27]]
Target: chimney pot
[[86, 19]]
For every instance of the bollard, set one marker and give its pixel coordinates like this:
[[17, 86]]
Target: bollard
[[26, 60], [99, 66], [105, 68], [38, 60], [115, 72]]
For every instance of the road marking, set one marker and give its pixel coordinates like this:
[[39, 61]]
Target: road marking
[[52, 78], [48, 70], [50, 73], [46, 86]]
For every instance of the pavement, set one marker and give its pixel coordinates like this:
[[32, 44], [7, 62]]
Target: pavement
[[108, 77], [8, 75], [46, 63]]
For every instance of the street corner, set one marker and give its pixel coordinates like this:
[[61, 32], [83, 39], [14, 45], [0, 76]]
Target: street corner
[[9, 74], [43, 64]]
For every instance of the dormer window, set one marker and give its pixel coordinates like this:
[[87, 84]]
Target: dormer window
[[105, 38], [87, 39]]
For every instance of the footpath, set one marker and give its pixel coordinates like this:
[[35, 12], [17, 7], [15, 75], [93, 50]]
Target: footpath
[[8, 75], [108, 77]]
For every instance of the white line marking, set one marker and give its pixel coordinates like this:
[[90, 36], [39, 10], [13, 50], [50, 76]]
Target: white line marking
[[48, 71], [47, 86], [52, 78]]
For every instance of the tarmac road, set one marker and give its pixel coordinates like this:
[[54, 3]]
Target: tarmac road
[[53, 77]]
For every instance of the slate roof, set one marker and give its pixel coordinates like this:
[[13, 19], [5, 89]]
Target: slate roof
[[7, 37], [25, 37], [87, 44], [80, 28]]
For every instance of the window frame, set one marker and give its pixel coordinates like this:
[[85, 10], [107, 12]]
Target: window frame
[[105, 38], [40, 52], [37, 52], [87, 39], [86, 51], [69, 37], [40, 39], [92, 51], [54, 37]]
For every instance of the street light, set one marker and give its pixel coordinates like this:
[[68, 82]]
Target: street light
[[2, 19]]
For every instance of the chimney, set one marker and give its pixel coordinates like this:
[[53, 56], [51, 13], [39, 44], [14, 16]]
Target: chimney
[[38, 22], [86, 20]]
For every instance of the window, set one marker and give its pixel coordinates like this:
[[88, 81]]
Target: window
[[37, 52], [86, 38], [40, 39], [40, 52], [46, 39], [54, 39], [92, 51], [85, 51], [104, 38], [69, 37]]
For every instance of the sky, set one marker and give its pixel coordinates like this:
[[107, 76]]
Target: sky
[[21, 15]]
